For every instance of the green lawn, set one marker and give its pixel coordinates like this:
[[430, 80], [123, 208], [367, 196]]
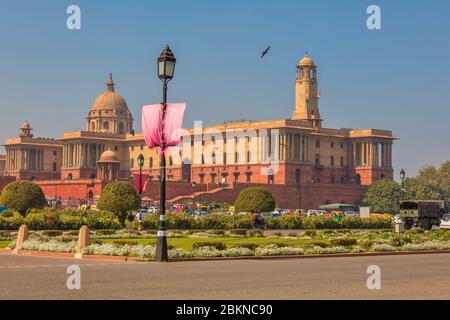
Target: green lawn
[[186, 243], [4, 243]]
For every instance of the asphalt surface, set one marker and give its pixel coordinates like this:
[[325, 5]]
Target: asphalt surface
[[402, 277]]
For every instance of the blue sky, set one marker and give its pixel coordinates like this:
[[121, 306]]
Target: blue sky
[[396, 78]]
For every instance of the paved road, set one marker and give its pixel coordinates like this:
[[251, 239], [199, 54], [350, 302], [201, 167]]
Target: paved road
[[412, 277]]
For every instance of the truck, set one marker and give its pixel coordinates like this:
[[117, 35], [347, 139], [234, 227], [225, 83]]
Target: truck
[[422, 213]]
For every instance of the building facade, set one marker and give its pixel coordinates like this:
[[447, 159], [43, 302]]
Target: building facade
[[302, 162]]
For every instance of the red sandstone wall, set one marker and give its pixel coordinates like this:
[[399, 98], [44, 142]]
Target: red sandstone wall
[[71, 190], [289, 196]]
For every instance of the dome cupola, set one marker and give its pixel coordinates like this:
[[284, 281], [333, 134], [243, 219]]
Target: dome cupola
[[109, 112]]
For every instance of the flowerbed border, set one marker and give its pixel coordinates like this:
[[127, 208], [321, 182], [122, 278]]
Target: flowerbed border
[[137, 259]]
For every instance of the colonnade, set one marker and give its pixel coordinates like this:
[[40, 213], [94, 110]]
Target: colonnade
[[24, 159], [77, 155], [371, 154]]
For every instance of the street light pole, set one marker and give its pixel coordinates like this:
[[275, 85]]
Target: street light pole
[[193, 196], [402, 177], [166, 68], [140, 164]]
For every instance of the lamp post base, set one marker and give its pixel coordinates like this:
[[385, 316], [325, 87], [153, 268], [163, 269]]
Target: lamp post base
[[161, 249]]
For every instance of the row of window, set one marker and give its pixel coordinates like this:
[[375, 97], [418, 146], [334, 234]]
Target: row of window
[[332, 161], [248, 177], [331, 144]]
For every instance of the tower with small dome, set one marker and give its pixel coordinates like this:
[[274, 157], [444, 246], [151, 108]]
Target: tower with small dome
[[307, 93]]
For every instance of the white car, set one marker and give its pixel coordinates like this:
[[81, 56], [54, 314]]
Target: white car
[[312, 213], [445, 221]]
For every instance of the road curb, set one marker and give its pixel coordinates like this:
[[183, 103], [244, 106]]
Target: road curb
[[137, 259]]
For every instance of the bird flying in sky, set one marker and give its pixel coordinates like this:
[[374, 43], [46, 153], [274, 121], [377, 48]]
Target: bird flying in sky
[[265, 52]]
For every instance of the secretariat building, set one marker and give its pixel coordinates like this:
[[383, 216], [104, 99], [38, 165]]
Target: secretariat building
[[313, 164]]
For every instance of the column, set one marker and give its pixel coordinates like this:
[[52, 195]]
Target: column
[[390, 155], [374, 159], [88, 160]]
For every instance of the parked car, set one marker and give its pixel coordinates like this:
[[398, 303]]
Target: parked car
[[312, 213], [151, 210], [445, 221], [351, 214], [272, 214]]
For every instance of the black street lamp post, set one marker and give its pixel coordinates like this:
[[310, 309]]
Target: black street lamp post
[[166, 68], [140, 161], [193, 195], [402, 177]]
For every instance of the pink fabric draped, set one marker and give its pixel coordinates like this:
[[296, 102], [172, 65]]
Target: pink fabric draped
[[173, 121], [136, 181]]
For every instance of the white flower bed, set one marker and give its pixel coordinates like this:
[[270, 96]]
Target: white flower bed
[[52, 245], [273, 250], [126, 250], [327, 250]]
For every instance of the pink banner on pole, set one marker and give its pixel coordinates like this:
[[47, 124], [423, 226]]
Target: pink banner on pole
[[136, 181], [173, 121]]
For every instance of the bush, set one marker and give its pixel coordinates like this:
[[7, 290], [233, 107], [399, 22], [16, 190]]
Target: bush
[[344, 242], [366, 244], [7, 213], [69, 222], [119, 198], [400, 241], [22, 195], [239, 232], [102, 220], [52, 233], [251, 246], [255, 233], [36, 221], [105, 232], [255, 199], [292, 234], [216, 232], [317, 243], [216, 245], [123, 242]]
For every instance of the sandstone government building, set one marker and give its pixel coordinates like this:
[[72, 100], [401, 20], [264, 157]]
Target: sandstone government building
[[316, 165]]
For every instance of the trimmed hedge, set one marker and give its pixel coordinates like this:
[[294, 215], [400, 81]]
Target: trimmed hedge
[[49, 219], [221, 221]]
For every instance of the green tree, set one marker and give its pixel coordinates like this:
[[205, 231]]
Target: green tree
[[23, 195], [255, 199], [431, 183], [383, 196], [119, 198]]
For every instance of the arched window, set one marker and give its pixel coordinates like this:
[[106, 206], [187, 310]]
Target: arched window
[[90, 195], [93, 126], [332, 161], [69, 176], [342, 161], [106, 125], [54, 166], [121, 126]]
